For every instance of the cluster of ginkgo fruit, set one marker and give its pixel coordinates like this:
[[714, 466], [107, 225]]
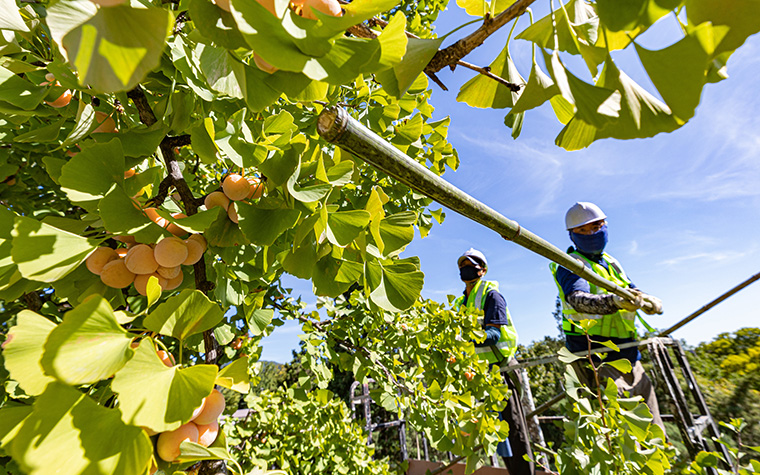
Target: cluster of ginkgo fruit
[[203, 427], [136, 263], [303, 8], [234, 188]]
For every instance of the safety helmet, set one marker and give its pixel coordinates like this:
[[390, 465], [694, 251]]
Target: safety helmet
[[583, 213], [474, 256]]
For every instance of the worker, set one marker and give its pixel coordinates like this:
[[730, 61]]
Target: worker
[[615, 315], [499, 345]]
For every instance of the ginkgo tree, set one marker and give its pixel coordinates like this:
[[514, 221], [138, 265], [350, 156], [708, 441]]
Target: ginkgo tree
[[120, 119]]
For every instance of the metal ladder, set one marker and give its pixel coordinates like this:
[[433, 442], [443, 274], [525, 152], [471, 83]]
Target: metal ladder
[[692, 425]]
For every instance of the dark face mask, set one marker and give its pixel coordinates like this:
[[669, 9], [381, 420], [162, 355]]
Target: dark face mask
[[590, 243], [468, 273]]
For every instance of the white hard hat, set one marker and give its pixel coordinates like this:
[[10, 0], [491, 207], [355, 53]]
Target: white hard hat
[[583, 213], [474, 256]]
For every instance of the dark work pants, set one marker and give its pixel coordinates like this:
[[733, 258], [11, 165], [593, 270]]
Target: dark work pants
[[519, 438]]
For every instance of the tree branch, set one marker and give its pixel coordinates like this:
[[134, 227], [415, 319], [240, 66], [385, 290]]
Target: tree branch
[[364, 32], [147, 117], [450, 55]]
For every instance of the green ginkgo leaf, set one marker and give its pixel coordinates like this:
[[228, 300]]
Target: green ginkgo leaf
[[185, 314], [344, 226], [110, 59], [11, 419], [678, 71], [333, 276], [45, 253], [235, 376], [88, 346], [173, 394], [482, 91], [89, 174], [395, 286], [263, 226], [20, 92], [258, 320], [67, 429], [23, 351]]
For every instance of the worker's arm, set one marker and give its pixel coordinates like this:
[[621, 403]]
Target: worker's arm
[[495, 315], [578, 294]]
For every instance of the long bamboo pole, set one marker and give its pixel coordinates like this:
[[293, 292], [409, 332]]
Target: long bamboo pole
[[336, 126], [710, 305]]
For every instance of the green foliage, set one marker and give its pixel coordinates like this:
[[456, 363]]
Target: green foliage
[[189, 107], [726, 370], [302, 433]]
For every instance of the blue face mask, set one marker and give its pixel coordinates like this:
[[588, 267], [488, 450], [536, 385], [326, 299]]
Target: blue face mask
[[590, 243]]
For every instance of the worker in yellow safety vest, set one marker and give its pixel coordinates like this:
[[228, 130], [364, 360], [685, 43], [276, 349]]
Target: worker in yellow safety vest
[[615, 315], [500, 345]]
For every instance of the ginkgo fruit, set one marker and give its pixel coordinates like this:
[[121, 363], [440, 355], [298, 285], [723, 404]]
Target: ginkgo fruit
[[199, 239], [223, 4], [195, 251], [236, 187], [213, 407], [257, 188], [169, 272], [62, 101], [140, 259], [141, 282], [328, 7], [100, 257], [129, 173], [105, 122], [170, 252], [153, 215], [262, 64], [269, 5], [232, 214], [115, 274], [216, 199], [175, 282], [174, 229], [166, 358], [207, 433], [168, 443]]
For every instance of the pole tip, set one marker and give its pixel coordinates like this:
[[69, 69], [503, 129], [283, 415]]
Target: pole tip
[[332, 123]]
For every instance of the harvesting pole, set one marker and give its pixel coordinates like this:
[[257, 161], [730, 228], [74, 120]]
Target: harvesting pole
[[336, 126]]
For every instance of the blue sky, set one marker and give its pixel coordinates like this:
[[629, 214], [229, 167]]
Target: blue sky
[[683, 208]]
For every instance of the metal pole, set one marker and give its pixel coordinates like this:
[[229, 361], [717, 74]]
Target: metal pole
[[710, 305], [336, 126]]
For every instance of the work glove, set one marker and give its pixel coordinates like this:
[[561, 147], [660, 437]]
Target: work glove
[[630, 305], [654, 304]]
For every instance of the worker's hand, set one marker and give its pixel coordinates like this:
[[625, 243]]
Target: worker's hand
[[652, 305], [630, 305]]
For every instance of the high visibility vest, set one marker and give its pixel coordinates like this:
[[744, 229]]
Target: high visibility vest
[[507, 344], [616, 325]]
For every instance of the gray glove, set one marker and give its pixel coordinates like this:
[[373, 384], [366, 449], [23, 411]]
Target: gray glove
[[630, 305], [652, 305]]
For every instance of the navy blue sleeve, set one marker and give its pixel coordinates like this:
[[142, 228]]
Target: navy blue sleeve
[[496, 309]]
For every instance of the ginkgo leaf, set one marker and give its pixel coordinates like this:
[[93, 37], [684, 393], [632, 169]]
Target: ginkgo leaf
[[68, 429], [174, 392], [185, 314], [23, 351], [88, 346]]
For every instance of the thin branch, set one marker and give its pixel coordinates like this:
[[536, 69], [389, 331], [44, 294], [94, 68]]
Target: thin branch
[[364, 32], [487, 72], [451, 54]]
